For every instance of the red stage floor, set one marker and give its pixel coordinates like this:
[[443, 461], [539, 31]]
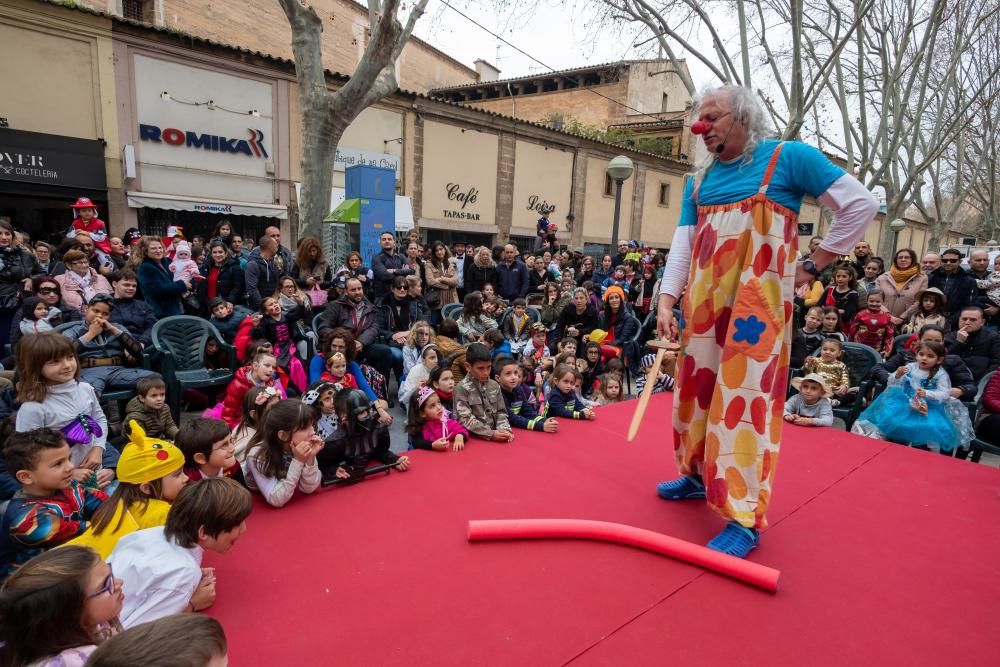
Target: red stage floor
[[888, 556]]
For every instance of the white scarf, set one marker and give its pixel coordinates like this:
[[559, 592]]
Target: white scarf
[[84, 283]]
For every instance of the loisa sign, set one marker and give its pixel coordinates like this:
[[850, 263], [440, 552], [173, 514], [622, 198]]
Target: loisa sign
[[465, 198], [536, 203]]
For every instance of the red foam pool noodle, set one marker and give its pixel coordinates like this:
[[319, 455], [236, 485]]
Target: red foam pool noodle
[[604, 531]]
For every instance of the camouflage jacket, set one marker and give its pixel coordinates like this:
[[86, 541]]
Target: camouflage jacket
[[480, 407]]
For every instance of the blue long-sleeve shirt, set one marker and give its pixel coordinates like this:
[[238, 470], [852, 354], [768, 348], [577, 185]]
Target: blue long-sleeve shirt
[[563, 405], [522, 409]]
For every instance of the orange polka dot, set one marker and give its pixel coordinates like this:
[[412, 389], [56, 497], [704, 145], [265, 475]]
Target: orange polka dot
[[737, 485]]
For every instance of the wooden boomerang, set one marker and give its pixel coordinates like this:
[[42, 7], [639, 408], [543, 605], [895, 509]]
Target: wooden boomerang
[[662, 347]]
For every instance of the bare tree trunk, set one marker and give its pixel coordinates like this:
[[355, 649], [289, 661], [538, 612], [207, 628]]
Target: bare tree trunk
[[325, 114]]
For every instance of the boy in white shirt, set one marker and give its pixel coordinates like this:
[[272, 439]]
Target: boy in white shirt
[[162, 566]]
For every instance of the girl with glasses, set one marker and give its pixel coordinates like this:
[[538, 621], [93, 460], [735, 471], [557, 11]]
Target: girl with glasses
[[58, 607]]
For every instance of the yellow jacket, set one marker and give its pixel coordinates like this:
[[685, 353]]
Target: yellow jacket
[[155, 514]]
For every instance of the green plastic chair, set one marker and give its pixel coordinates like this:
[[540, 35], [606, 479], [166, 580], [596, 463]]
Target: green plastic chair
[[180, 342]]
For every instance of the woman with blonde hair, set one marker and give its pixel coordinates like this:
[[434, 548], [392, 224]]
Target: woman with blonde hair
[[482, 271], [159, 289]]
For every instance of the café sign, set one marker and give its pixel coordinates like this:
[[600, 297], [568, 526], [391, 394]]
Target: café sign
[[462, 197]]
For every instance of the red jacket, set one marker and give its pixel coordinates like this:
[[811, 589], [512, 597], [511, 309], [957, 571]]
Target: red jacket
[[97, 230], [232, 405], [874, 330], [991, 395]]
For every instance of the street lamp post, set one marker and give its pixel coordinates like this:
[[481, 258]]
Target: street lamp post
[[896, 226], [620, 170]]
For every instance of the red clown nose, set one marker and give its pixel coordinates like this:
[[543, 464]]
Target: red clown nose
[[700, 127]]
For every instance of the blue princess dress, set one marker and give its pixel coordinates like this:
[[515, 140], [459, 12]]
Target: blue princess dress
[[937, 420]]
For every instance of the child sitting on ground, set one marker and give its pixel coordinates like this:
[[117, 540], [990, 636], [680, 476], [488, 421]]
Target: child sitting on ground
[[260, 373], [420, 374], [209, 451], [609, 390], [562, 400], [51, 506], [664, 376], [811, 406], [421, 335], [362, 438], [917, 407], [442, 380], [37, 316], [192, 640], [833, 370], [150, 410], [499, 346], [430, 426], [516, 328], [478, 401], [161, 567], [282, 456], [336, 372], [255, 404], [519, 400], [873, 326], [536, 348], [150, 475], [321, 396], [929, 309], [225, 319], [58, 607]]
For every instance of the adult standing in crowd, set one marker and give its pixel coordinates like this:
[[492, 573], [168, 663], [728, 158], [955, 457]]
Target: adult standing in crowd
[[930, 263], [901, 284], [979, 267], [623, 250], [119, 253], [586, 271], [311, 270], [958, 285], [241, 253], [80, 282], [979, 348], [282, 255], [734, 256], [442, 281], [862, 255], [460, 260], [386, 265], [415, 261], [45, 256], [538, 275], [159, 289], [223, 276], [480, 271], [134, 314], [512, 275], [262, 272]]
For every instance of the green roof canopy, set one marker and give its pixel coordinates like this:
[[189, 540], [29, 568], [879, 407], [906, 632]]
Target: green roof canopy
[[348, 210]]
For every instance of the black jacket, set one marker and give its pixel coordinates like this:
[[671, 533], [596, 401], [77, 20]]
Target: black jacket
[[584, 323], [137, 316], [16, 264], [958, 372], [980, 351], [625, 326], [358, 318], [388, 323], [381, 263], [231, 286], [959, 289], [261, 278], [476, 276]]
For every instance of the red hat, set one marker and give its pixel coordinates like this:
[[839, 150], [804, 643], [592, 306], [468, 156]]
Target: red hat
[[83, 202]]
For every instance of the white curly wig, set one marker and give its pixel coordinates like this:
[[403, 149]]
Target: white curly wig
[[744, 104]]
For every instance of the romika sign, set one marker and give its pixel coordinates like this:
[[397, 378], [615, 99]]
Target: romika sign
[[254, 146]]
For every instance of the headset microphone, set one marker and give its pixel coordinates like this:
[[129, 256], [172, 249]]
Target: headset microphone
[[722, 145]]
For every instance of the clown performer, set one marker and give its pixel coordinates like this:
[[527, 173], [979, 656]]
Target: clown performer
[[735, 252], [85, 220]]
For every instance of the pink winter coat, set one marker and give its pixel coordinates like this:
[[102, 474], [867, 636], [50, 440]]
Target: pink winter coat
[[433, 430], [72, 293]]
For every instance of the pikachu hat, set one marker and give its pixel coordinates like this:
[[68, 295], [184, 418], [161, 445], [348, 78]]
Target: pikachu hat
[[146, 459]]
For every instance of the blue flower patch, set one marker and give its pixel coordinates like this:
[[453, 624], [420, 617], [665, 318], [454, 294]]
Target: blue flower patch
[[748, 329]]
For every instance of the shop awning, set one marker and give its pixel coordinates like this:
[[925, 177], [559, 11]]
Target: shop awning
[[177, 203], [348, 210]]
